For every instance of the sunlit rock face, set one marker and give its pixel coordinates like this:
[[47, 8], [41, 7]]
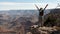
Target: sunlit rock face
[[17, 20], [8, 17]]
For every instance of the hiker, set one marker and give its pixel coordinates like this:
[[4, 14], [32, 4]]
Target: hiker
[[41, 14]]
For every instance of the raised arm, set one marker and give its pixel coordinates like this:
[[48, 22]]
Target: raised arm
[[37, 7], [45, 6]]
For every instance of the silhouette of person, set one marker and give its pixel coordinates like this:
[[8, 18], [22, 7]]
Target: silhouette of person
[[41, 13]]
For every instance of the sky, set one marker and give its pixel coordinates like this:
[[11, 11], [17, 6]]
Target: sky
[[26, 4]]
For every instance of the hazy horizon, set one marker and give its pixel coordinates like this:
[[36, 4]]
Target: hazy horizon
[[27, 4]]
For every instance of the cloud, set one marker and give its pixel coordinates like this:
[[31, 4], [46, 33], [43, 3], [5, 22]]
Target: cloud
[[20, 6]]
